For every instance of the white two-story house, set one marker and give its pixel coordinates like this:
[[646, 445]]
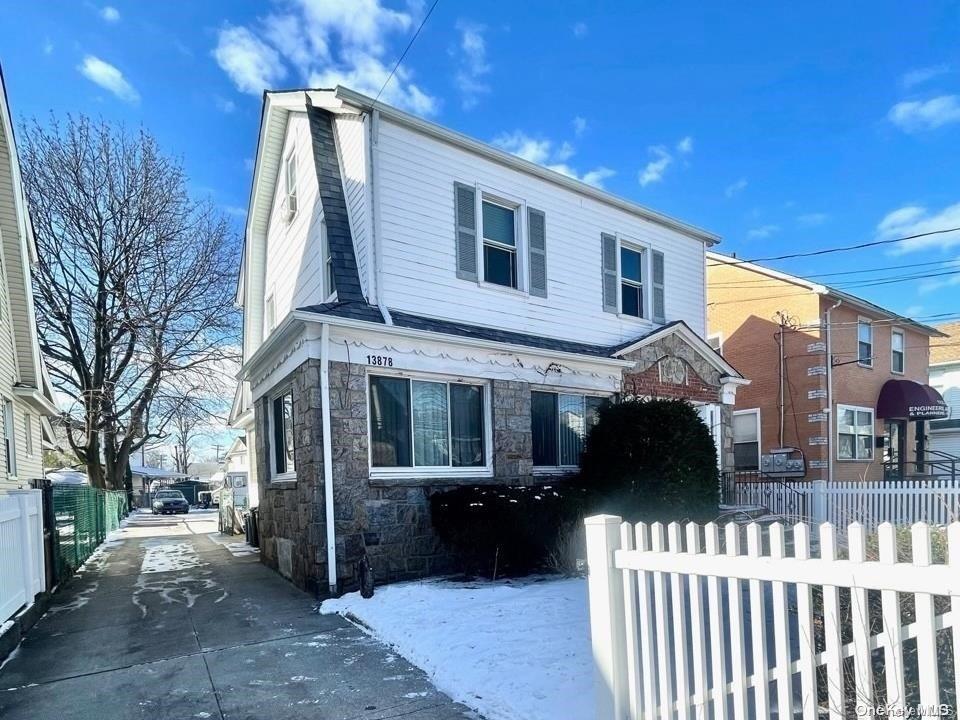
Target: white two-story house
[[423, 310]]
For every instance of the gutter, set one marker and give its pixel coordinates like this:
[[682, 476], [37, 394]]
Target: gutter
[[328, 458]]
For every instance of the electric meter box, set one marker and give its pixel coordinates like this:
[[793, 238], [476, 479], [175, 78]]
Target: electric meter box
[[783, 463]]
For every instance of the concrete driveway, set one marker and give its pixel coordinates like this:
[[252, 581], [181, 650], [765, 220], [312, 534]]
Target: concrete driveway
[[173, 621]]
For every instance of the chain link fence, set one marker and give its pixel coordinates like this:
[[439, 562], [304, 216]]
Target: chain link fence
[[82, 517]]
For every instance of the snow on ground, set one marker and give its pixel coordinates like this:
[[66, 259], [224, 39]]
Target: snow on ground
[[164, 556], [510, 650], [236, 548]]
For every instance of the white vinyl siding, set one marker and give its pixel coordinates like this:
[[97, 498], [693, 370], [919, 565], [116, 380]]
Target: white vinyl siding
[[416, 205], [294, 271]]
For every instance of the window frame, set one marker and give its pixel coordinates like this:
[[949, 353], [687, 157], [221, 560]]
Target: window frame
[[861, 321], [329, 279], [519, 208], [269, 314], [733, 438], [561, 469], [646, 279], [719, 339], [433, 471], [28, 434], [9, 438], [288, 475], [290, 185], [902, 351], [873, 433]]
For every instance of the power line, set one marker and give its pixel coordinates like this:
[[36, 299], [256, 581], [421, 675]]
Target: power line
[[406, 50], [844, 248], [772, 282]]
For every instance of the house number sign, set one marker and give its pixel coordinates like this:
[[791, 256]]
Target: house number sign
[[380, 360]]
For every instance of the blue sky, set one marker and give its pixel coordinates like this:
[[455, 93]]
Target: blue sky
[[782, 128]]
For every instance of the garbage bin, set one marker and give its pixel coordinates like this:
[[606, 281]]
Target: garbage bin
[[252, 528]]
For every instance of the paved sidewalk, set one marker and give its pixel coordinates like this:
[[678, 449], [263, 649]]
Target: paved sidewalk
[[173, 621]]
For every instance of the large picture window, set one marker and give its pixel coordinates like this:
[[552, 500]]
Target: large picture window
[[426, 424], [560, 423], [499, 244], [746, 440], [281, 421], [855, 428]]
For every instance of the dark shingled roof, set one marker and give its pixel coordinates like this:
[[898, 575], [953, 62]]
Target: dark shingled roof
[[339, 239]]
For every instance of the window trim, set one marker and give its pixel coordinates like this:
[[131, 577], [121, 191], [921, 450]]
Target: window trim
[[288, 191], [561, 469], [329, 280], [719, 337], [903, 351], [860, 321], [733, 439], [519, 208], [10, 438], [646, 279], [873, 433], [434, 471], [28, 445], [273, 475], [269, 314]]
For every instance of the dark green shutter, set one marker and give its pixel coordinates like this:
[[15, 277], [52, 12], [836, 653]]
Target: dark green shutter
[[537, 244], [659, 304], [465, 209], [608, 251]]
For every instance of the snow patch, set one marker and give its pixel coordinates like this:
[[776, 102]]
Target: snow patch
[[183, 589], [504, 649], [79, 600], [165, 556]]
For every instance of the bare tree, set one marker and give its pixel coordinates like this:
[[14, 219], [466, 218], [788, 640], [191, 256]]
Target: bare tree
[[134, 283]]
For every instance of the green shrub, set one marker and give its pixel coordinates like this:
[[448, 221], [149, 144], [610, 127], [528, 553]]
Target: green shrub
[[651, 460]]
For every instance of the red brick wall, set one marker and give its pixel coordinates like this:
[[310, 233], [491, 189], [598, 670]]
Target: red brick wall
[[648, 383]]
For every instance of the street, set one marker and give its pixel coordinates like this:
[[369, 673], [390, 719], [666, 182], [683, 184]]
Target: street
[[170, 620]]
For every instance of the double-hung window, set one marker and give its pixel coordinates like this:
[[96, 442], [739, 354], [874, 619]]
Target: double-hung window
[[499, 225], [854, 433], [897, 351], [865, 342], [427, 424], [281, 426], [631, 281], [560, 423], [329, 279], [9, 439], [290, 185], [28, 429], [746, 440]]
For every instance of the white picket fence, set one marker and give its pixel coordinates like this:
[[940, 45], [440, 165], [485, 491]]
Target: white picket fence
[[22, 573], [689, 625], [901, 502]]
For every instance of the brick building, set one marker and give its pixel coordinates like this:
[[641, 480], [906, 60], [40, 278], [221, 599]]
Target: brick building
[[838, 379]]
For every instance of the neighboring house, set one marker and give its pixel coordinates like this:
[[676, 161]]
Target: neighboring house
[[237, 474], [945, 377], [837, 379], [422, 311], [26, 398]]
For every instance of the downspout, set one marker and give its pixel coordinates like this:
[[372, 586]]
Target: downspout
[[328, 457], [828, 345], [375, 246]]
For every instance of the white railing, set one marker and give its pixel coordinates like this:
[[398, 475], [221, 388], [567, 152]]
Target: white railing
[[689, 625], [901, 502], [22, 573]]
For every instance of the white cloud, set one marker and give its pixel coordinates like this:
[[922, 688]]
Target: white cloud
[[929, 286], [922, 75], [47, 46], [473, 65], [108, 77], [812, 219], [325, 43], [735, 188], [917, 115], [764, 231], [915, 220], [110, 14], [224, 105], [685, 146], [547, 153], [252, 64], [579, 125], [580, 29], [653, 171]]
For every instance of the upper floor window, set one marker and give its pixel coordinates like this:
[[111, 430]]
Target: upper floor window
[[746, 440], [631, 281], [281, 426], [9, 439], [865, 342], [290, 185], [270, 311], [28, 429], [854, 433], [499, 227], [560, 423], [330, 282], [897, 348], [634, 279]]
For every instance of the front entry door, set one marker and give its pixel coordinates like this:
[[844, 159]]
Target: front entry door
[[894, 449]]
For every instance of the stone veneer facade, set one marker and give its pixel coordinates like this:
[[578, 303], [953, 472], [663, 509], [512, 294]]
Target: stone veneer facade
[[391, 518]]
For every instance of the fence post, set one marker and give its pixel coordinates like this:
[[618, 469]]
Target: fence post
[[28, 544], [818, 502], [607, 622]]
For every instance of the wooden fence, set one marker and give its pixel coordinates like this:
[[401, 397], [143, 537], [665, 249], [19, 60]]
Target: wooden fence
[[22, 573], [901, 502], [685, 623]]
